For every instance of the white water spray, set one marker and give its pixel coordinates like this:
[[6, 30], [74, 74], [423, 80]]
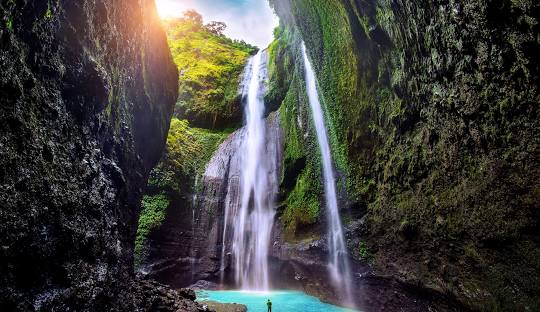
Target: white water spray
[[338, 262], [252, 221]]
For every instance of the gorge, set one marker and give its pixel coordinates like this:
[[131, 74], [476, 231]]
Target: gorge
[[378, 154]]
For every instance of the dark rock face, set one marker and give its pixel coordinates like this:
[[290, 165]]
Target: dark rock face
[[187, 246], [304, 266], [435, 107], [87, 90]]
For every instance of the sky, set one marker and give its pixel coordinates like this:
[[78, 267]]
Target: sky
[[250, 20]]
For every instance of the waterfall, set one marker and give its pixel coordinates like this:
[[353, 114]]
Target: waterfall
[[338, 259], [248, 225]]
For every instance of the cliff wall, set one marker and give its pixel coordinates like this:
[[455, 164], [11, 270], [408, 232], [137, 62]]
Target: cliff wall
[[87, 91], [432, 110]]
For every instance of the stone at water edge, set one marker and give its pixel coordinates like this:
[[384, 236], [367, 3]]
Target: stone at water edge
[[224, 307]]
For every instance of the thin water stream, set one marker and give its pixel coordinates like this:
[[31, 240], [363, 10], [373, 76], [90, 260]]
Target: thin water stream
[[338, 259]]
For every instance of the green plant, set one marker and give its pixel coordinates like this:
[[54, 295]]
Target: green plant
[[48, 13], [188, 151], [303, 203], [363, 251], [153, 213]]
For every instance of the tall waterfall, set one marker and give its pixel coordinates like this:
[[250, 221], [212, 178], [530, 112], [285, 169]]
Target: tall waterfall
[[248, 225], [338, 262]]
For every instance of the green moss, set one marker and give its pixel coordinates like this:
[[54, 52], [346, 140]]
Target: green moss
[[471, 252], [188, 151], [280, 66], [438, 147], [153, 213], [302, 165], [389, 106], [303, 203], [363, 251]]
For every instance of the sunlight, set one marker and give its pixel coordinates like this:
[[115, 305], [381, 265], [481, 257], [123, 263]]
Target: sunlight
[[171, 8]]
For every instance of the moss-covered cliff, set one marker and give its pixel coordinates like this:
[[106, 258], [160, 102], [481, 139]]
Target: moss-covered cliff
[[432, 109], [87, 92], [210, 65], [301, 187]]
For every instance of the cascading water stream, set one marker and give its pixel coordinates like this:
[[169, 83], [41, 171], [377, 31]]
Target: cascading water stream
[[338, 263], [250, 223]]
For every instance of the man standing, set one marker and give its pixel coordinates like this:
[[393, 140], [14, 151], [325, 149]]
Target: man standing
[[269, 304]]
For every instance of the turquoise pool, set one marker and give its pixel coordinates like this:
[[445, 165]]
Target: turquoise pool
[[289, 301]]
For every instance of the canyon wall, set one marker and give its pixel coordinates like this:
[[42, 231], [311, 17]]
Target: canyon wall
[[87, 91], [432, 110]]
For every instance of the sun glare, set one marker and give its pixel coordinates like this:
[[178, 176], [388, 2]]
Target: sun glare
[[169, 8]]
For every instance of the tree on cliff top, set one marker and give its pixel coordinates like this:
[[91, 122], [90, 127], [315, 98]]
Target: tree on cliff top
[[210, 66]]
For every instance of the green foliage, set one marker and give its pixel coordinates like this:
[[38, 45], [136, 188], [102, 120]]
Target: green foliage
[[48, 13], [303, 203], [188, 151], [210, 66], [302, 165], [153, 213], [363, 251], [280, 66]]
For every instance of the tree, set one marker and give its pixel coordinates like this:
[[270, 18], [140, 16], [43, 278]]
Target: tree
[[217, 28], [193, 16]]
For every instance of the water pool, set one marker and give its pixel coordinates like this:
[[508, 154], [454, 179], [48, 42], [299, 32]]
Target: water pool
[[289, 301]]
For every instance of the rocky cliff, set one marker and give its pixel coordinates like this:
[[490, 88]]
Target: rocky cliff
[[188, 246], [432, 109], [87, 91]]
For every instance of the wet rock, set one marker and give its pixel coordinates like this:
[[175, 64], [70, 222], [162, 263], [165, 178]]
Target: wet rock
[[224, 307], [205, 285]]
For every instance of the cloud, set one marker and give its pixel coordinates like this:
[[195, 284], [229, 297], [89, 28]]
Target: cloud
[[250, 20]]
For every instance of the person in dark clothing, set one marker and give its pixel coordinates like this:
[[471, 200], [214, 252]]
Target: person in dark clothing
[[269, 304]]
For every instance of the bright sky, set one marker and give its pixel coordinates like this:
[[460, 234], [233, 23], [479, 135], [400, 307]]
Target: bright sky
[[250, 20]]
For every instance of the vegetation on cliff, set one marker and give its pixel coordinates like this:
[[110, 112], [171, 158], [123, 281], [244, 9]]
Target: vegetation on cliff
[[301, 185], [188, 151], [152, 215], [432, 113], [210, 66]]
